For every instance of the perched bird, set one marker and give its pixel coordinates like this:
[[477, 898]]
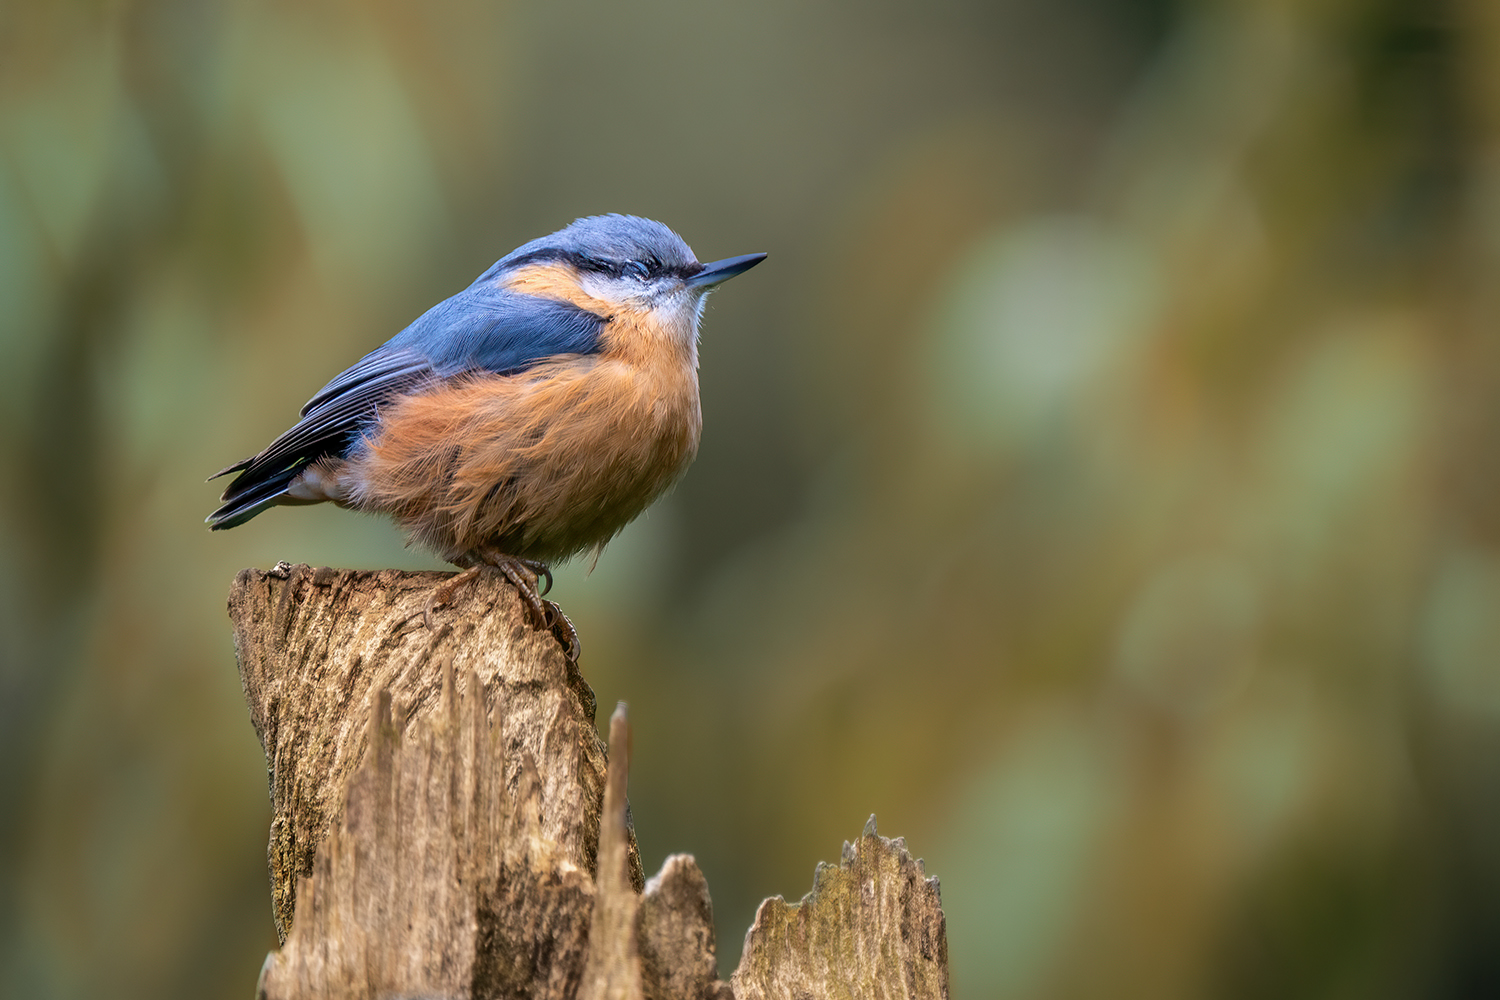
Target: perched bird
[[526, 419]]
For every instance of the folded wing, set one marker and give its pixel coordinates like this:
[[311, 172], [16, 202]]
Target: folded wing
[[480, 329]]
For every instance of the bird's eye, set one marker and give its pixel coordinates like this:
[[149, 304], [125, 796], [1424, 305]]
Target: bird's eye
[[638, 267]]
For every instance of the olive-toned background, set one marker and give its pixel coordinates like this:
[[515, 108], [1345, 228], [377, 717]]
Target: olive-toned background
[[1100, 481]]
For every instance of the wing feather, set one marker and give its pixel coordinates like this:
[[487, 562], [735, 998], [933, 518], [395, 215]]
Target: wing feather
[[488, 328], [483, 328], [330, 421]]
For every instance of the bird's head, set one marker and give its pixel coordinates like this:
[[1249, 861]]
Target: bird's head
[[619, 263]]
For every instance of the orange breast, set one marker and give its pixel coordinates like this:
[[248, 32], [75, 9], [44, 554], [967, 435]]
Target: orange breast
[[542, 465]]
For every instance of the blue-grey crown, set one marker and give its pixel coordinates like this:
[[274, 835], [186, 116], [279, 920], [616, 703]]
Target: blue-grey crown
[[610, 243]]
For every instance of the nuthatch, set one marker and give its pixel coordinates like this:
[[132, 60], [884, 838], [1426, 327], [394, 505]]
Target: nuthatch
[[526, 419]]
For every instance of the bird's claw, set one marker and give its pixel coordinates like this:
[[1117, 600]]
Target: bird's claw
[[561, 627], [525, 575]]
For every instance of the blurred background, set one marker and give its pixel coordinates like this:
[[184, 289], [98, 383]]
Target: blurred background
[[1099, 482]]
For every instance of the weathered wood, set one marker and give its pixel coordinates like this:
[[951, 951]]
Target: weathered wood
[[613, 970], [872, 927], [314, 645], [464, 839], [391, 905], [434, 883], [675, 935]]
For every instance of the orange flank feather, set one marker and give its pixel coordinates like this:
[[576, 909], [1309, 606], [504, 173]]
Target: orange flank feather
[[542, 464]]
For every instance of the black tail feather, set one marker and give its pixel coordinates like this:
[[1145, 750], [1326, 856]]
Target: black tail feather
[[236, 467], [331, 422], [243, 504]]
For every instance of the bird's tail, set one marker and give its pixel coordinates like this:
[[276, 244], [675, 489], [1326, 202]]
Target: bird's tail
[[245, 498]]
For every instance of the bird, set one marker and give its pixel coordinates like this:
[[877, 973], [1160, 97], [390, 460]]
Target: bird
[[521, 422]]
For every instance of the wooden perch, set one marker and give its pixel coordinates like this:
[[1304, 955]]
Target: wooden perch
[[444, 826], [316, 645]]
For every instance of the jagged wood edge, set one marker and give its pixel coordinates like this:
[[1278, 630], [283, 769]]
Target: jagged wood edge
[[872, 926]]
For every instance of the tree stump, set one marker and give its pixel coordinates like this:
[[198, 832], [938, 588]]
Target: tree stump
[[315, 646], [445, 825]]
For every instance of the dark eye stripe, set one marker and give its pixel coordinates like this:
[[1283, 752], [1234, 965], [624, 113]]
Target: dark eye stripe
[[650, 267]]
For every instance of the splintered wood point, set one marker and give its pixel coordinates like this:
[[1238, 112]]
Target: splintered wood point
[[613, 971]]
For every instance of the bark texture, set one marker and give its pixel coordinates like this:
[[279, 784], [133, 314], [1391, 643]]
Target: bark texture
[[316, 645], [872, 927], [404, 898], [675, 935], [445, 825]]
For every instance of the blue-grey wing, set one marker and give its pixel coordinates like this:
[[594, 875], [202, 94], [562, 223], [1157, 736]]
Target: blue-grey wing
[[330, 423], [480, 329], [485, 328]]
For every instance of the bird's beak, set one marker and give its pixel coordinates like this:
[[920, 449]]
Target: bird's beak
[[723, 270]]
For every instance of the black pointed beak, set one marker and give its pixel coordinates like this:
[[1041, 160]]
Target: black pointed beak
[[723, 270]]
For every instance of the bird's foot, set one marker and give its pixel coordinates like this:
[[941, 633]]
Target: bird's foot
[[544, 616], [524, 573], [561, 627], [443, 594]]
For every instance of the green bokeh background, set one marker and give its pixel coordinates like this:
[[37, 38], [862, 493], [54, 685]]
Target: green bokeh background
[[1099, 481]]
